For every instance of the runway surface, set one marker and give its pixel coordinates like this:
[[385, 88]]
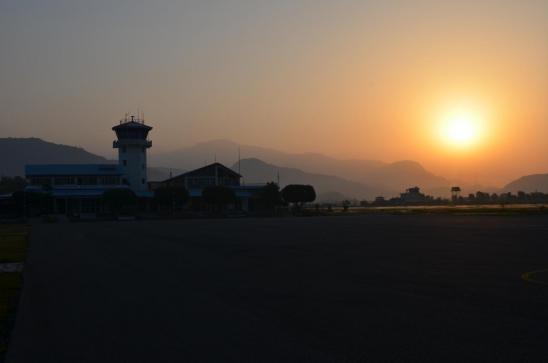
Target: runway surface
[[325, 289]]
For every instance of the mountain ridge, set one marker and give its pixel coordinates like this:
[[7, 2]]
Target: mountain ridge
[[387, 179], [258, 171], [528, 183], [15, 153], [398, 175]]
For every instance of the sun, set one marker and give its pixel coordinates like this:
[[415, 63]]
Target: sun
[[462, 127]]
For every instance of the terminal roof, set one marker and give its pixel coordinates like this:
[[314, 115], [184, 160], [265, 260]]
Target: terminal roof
[[72, 169]]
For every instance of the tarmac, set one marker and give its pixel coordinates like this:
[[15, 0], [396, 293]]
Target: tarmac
[[312, 289]]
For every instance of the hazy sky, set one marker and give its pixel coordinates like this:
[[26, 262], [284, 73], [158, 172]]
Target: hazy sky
[[365, 79]]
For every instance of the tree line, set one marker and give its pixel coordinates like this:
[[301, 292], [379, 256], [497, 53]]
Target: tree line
[[165, 199]]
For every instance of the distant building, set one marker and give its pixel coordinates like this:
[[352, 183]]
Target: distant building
[[379, 200], [455, 193], [75, 188], [413, 195], [213, 175], [132, 145], [78, 188], [209, 175]]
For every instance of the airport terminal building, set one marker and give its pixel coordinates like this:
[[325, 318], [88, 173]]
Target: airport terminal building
[[78, 188]]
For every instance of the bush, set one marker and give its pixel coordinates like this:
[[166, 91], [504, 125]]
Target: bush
[[218, 196], [120, 200], [171, 197], [269, 196]]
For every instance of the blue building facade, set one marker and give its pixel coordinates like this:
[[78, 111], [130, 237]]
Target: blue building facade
[[74, 188]]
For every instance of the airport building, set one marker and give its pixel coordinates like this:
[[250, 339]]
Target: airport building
[[78, 188], [215, 174]]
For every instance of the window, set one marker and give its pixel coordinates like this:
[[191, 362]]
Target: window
[[143, 181], [124, 149], [62, 180], [88, 180], [143, 166], [124, 162], [111, 180], [40, 181]]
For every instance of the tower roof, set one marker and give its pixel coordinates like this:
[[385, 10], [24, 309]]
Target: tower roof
[[132, 123]]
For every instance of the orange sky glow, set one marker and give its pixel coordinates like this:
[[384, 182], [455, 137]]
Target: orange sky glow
[[351, 79]]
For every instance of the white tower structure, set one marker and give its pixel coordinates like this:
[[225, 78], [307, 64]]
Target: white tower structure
[[132, 145]]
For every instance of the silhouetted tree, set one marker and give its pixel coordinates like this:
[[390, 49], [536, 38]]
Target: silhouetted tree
[[10, 185], [171, 197], [270, 196], [298, 194], [346, 205], [218, 196], [119, 200]]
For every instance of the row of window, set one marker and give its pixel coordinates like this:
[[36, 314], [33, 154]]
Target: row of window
[[132, 134], [75, 180], [124, 149], [202, 181]]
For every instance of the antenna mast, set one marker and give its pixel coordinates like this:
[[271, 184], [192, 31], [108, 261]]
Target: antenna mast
[[239, 161]]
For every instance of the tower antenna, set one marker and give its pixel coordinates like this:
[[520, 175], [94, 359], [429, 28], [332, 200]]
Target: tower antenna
[[239, 161]]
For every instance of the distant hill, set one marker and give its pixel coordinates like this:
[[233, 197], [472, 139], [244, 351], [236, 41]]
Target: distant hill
[[15, 153], [395, 176], [528, 183], [327, 186]]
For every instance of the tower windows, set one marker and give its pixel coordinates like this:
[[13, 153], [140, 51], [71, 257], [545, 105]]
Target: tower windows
[[124, 162], [124, 149]]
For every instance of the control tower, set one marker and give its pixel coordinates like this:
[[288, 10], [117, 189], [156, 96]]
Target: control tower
[[132, 145]]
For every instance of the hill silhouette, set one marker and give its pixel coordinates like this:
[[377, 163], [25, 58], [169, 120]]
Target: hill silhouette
[[334, 177], [15, 153], [395, 176], [528, 183], [327, 186]]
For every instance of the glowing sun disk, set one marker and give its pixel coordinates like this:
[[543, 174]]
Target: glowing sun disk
[[461, 128]]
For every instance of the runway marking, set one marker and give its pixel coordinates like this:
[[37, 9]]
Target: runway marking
[[530, 277]]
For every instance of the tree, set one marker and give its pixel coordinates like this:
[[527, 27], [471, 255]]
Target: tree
[[346, 204], [171, 197], [119, 200], [219, 196], [298, 194], [270, 196], [10, 185]]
